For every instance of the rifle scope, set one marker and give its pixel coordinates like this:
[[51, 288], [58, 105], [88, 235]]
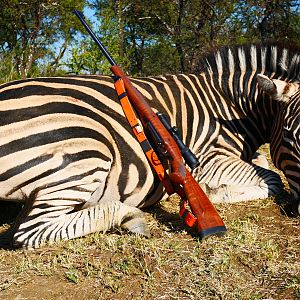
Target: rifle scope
[[189, 157]]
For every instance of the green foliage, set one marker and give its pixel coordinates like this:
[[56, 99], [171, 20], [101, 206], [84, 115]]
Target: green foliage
[[7, 67], [146, 37], [160, 58], [159, 37], [264, 20], [28, 31]]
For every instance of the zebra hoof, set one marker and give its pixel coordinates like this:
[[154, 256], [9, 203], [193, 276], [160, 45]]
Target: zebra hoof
[[140, 229], [136, 223]]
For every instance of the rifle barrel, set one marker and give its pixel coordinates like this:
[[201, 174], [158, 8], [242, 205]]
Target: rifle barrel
[[80, 16]]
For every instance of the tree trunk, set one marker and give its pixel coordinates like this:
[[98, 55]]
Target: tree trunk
[[121, 29], [178, 33]]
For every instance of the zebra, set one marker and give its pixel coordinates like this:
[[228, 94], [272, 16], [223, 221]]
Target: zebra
[[67, 152]]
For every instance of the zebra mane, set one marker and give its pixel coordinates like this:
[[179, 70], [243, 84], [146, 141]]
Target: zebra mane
[[274, 59]]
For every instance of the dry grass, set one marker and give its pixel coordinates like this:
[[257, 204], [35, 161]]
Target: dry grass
[[259, 258]]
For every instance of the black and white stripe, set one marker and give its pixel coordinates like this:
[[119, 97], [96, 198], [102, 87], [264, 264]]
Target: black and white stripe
[[66, 149]]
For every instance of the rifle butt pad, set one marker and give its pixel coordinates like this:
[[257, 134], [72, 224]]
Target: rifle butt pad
[[192, 221], [215, 231]]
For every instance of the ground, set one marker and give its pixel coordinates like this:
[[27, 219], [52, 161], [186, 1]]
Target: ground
[[259, 258]]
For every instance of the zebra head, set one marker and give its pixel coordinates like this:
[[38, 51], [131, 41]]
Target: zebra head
[[285, 140]]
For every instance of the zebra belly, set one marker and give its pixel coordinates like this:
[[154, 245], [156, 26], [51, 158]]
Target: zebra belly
[[75, 168], [80, 169]]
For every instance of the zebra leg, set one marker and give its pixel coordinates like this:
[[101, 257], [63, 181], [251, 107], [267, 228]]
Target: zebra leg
[[53, 223], [236, 180]]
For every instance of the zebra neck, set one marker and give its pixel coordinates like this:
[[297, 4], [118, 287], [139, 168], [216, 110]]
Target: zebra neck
[[207, 108]]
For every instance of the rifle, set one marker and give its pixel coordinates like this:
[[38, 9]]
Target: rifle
[[180, 180]]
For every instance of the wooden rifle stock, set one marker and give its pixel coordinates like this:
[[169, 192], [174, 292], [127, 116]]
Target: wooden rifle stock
[[208, 220]]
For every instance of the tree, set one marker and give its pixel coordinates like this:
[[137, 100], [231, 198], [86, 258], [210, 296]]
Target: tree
[[29, 31], [163, 36], [146, 37], [269, 19]]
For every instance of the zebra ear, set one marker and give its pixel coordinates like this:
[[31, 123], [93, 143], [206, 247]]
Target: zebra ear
[[277, 89], [267, 85]]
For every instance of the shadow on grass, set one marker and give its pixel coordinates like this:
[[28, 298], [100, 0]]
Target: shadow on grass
[[288, 206], [8, 214], [171, 221]]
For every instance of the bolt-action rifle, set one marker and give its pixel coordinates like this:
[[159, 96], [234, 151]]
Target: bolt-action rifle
[[180, 180]]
